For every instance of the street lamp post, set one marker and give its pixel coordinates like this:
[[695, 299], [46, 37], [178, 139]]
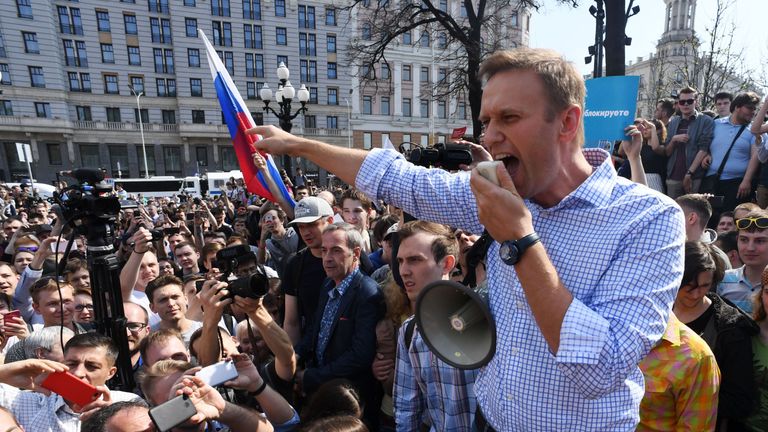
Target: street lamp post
[[283, 96], [141, 128], [349, 123]]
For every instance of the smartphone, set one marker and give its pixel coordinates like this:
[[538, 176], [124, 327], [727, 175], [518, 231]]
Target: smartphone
[[218, 373], [12, 314], [136, 213], [58, 247], [71, 388], [199, 285], [176, 411]]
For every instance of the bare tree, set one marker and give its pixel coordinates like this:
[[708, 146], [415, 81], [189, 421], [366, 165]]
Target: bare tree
[[464, 41], [718, 65]]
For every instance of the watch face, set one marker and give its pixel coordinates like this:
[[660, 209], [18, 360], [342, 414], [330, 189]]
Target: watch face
[[509, 252]]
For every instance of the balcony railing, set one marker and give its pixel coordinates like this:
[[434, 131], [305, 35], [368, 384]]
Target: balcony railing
[[148, 127], [323, 132]]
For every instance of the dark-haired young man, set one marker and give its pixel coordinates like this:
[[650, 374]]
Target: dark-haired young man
[[89, 356], [167, 299]]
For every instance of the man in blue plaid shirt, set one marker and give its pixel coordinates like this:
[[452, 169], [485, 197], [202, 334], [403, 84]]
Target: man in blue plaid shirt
[[428, 390], [585, 265]]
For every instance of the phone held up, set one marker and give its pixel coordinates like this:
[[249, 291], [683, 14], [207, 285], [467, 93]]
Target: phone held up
[[71, 388]]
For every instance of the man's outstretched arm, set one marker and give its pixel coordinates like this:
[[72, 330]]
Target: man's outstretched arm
[[343, 162]]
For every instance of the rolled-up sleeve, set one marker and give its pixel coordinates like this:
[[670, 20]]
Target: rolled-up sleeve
[[22, 300]]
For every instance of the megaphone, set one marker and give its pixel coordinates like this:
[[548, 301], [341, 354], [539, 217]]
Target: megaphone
[[456, 323]]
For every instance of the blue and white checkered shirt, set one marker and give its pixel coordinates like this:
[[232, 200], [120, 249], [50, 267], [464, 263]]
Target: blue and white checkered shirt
[[426, 386], [619, 249], [329, 313]]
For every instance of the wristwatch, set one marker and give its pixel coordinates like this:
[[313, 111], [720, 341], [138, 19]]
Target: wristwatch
[[511, 251]]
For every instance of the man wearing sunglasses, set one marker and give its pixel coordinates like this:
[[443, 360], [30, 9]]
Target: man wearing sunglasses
[[740, 284], [688, 138]]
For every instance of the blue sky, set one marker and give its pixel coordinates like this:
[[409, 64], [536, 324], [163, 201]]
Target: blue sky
[[575, 29]]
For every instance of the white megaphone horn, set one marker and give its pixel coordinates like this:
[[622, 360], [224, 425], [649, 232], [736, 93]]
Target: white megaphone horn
[[456, 323]]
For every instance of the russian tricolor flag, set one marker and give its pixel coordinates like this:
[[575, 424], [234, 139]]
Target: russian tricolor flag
[[239, 120]]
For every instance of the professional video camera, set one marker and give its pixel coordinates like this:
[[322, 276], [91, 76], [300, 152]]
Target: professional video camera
[[252, 286], [446, 156], [89, 207]]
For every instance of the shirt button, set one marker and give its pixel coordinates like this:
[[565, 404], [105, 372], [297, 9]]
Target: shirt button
[[520, 305], [514, 351], [510, 397]]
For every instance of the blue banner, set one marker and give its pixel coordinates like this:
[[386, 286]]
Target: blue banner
[[609, 108]]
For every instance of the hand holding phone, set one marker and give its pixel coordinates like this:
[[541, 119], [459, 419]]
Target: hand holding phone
[[172, 413], [218, 373], [71, 388]]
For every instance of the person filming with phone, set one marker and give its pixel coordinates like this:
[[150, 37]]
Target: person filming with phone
[[584, 268]]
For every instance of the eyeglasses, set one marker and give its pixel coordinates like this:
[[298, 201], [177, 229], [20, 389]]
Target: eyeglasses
[[745, 223], [686, 101], [135, 327], [82, 307], [27, 249]]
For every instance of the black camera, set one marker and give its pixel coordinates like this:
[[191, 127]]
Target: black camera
[[91, 207], [446, 156], [254, 286], [228, 259]]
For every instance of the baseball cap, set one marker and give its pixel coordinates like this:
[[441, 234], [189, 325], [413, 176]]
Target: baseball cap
[[310, 209], [43, 228], [391, 230]]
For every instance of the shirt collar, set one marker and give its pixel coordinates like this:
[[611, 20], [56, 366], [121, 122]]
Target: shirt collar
[[672, 333], [596, 190], [341, 288]]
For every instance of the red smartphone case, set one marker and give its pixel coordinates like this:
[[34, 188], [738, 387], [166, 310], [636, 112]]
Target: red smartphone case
[[13, 313], [71, 388]]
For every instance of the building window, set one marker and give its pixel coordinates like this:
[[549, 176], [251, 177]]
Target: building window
[[228, 158], [313, 95], [331, 43], [83, 113], [367, 105], [442, 75], [144, 115], [191, 3], [107, 53], [406, 107], [118, 157], [280, 8], [253, 36], [113, 115], [332, 122], [6, 78], [110, 84], [166, 87], [252, 9], [441, 109], [30, 43], [196, 87], [102, 21], [160, 30], [150, 160], [424, 108], [160, 6], [191, 25], [134, 56], [406, 138], [424, 41], [306, 17], [36, 77], [310, 121], [198, 116], [172, 159], [330, 16], [424, 76], [24, 8], [193, 57], [202, 155], [406, 72], [333, 96], [384, 108], [163, 60], [407, 38], [282, 36], [79, 83], [54, 153], [43, 109], [384, 71], [130, 24], [222, 33], [367, 140], [442, 40], [514, 20], [367, 32], [229, 61], [137, 84], [69, 20], [220, 7], [6, 108], [89, 154], [250, 90], [332, 74]]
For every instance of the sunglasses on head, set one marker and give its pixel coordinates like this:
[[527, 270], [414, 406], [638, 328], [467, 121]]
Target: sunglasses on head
[[745, 223], [27, 249], [686, 101]]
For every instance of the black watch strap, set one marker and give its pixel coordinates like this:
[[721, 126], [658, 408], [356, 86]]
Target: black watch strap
[[511, 251]]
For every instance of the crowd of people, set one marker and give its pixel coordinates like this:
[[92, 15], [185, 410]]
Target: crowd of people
[[616, 307]]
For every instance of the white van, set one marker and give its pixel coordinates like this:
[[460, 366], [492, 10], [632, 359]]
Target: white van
[[215, 182]]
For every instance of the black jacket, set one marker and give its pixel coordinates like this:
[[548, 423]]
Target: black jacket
[[729, 334]]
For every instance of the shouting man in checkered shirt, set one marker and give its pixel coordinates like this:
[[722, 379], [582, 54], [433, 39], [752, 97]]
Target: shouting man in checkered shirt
[[585, 265]]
